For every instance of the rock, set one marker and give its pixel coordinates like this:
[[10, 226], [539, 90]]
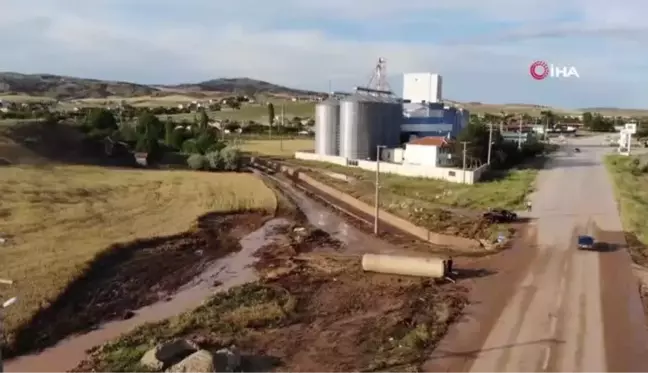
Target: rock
[[201, 361], [166, 353], [128, 314], [228, 359]]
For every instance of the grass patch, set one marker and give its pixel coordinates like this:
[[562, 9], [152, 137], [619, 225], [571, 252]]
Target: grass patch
[[256, 112], [322, 313], [59, 218], [278, 148], [438, 205], [630, 179]]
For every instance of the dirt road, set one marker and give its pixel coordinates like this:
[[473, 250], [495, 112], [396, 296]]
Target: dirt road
[[573, 310]]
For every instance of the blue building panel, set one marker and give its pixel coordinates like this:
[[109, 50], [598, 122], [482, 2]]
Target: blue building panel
[[445, 121]]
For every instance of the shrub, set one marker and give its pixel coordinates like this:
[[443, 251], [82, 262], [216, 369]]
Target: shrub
[[215, 161], [197, 162], [189, 146], [231, 158]]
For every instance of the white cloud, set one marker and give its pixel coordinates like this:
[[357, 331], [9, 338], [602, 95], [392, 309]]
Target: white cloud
[[484, 48]]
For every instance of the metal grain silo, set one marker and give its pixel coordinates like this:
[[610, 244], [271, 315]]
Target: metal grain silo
[[355, 115], [392, 123], [327, 127]]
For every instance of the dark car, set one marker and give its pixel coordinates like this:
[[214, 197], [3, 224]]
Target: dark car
[[585, 242], [500, 215], [577, 150]]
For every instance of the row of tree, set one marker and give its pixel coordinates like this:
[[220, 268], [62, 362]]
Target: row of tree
[[148, 134], [504, 154]]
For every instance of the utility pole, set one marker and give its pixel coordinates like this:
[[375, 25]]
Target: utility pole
[[2, 307], [377, 193], [519, 132], [283, 114], [464, 160], [490, 142]]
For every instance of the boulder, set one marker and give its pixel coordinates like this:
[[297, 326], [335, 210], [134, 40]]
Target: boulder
[[228, 359], [165, 354], [201, 361]]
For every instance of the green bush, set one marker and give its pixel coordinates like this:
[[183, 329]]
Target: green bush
[[231, 158], [189, 146], [197, 162], [215, 161]]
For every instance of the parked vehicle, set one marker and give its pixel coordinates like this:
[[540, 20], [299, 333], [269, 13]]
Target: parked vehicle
[[585, 242], [577, 150], [498, 215]]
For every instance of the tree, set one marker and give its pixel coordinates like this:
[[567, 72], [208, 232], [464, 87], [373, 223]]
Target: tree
[[203, 121], [178, 136], [189, 146], [149, 125], [169, 129], [588, 119], [100, 118], [204, 141], [231, 158], [477, 135], [215, 160], [271, 114], [146, 144], [548, 118], [197, 162]]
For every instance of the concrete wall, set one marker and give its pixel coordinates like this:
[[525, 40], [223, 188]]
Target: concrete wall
[[455, 175], [424, 234]]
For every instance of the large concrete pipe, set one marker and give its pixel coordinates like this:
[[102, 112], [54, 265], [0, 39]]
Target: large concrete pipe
[[407, 265]]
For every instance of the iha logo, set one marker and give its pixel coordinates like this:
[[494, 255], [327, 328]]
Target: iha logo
[[540, 70]]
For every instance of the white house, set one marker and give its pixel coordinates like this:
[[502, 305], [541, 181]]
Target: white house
[[430, 151]]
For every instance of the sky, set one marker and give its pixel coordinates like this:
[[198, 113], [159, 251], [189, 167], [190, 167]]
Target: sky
[[482, 48]]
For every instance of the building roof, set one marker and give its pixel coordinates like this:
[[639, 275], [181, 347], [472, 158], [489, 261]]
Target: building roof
[[430, 141]]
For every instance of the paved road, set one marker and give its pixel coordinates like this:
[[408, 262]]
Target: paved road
[[574, 310]]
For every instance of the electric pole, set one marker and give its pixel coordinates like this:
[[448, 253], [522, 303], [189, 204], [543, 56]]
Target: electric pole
[[464, 160], [490, 142], [519, 132], [283, 114], [377, 193]]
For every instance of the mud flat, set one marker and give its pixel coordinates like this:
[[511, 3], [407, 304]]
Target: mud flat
[[148, 280], [310, 311]]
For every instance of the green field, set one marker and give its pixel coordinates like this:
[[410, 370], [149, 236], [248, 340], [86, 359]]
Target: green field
[[257, 112], [438, 205], [630, 177]]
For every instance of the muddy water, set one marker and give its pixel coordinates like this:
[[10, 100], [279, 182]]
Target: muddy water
[[223, 274], [356, 241]]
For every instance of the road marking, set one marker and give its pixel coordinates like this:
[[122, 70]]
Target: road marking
[[547, 357]]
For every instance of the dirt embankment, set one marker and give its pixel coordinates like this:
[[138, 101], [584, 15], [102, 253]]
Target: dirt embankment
[[313, 310], [129, 276]]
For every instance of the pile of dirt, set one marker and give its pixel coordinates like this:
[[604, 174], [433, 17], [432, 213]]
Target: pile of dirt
[[316, 312], [126, 277]]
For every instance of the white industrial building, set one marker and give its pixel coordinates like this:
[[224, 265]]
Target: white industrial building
[[410, 137], [422, 88]]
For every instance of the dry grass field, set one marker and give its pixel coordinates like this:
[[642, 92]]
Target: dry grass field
[[57, 219]]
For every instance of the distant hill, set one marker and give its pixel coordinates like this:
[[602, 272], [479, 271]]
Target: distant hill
[[244, 86], [66, 87], [63, 87]]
